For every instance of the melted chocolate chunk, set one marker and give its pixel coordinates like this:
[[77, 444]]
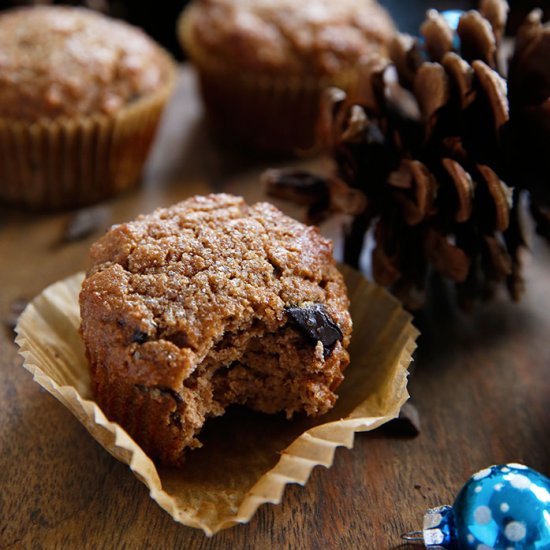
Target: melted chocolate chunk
[[316, 325], [139, 336], [407, 424], [300, 186], [85, 222], [160, 390]]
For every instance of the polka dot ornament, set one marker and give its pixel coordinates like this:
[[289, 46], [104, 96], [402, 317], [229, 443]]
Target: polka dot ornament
[[505, 507]]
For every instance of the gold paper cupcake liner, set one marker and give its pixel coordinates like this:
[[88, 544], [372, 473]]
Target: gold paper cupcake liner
[[68, 162], [264, 111], [247, 458]]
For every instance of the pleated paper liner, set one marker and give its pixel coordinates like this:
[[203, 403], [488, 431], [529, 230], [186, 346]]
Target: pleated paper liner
[[247, 458], [66, 162]]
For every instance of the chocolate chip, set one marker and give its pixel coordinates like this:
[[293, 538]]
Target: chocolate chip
[[134, 97], [299, 186], [139, 337], [155, 391], [175, 419], [316, 325], [169, 392], [84, 223], [407, 424]]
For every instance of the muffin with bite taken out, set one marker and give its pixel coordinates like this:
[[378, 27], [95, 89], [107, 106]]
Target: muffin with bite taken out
[[206, 304]]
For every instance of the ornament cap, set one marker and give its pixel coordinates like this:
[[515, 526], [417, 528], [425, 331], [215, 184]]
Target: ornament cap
[[439, 528]]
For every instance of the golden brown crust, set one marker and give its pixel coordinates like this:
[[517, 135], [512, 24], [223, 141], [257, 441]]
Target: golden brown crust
[[308, 37], [61, 61], [188, 308]]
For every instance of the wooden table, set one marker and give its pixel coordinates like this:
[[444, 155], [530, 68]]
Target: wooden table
[[480, 383]]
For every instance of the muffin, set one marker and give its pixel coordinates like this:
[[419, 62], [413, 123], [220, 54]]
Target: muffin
[[206, 304], [264, 63], [80, 99]]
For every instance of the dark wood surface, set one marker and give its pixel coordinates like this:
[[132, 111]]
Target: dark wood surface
[[480, 383]]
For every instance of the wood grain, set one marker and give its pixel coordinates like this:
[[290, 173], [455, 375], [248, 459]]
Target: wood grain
[[480, 383]]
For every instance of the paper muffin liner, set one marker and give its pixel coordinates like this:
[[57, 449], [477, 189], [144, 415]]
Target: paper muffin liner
[[66, 162], [248, 458], [268, 112]]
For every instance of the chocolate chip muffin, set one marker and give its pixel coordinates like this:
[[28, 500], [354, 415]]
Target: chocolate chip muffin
[[206, 304], [80, 98], [263, 64]]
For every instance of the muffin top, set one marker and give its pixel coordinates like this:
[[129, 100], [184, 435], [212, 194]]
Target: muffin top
[[57, 61], [318, 37], [182, 277]]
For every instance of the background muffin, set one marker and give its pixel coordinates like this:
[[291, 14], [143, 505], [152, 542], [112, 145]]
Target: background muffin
[[209, 303], [80, 99], [264, 63]]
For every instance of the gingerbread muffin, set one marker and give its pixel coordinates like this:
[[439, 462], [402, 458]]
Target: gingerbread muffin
[[206, 304], [264, 63], [80, 98]]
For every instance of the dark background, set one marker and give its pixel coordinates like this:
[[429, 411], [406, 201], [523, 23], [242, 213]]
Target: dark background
[[159, 17]]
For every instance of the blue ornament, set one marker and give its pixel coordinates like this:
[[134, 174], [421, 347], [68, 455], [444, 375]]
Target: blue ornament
[[505, 507], [452, 17]]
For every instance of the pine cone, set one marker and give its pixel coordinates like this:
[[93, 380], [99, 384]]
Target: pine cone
[[432, 148]]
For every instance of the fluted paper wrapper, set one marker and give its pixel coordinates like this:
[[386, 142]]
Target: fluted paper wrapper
[[68, 162], [247, 458]]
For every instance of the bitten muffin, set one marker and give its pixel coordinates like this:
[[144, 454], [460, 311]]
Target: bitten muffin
[[80, 98], [206, 304], [264, 63]]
